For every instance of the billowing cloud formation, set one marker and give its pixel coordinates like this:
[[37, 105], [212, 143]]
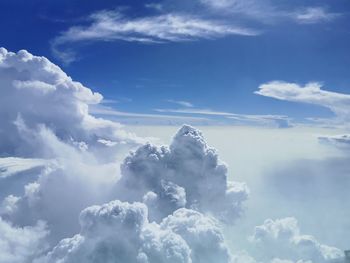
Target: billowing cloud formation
[[121, 232], [35, 94], [282, 237], [57, 159], [47, 129], [21, 245], [187, 174]]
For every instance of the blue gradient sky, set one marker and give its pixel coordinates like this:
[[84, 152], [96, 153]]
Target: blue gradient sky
[[220, 73]]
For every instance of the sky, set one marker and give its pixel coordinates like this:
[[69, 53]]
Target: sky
[[215, 63], [174, 131]]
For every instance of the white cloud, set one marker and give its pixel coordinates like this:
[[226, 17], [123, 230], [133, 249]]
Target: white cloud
[[270, 12], [45, 117], [282, 237], [280, 121], [51, 145], [21, 244], [121, 232], [112, 25], [313, 15], [35, 93], [46, 125], [109, 111], [187, 174], [182, 103], [11, 165], [311, 93]]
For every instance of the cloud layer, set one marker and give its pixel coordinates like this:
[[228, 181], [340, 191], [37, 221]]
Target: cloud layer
[[282, 237], [164, 204]]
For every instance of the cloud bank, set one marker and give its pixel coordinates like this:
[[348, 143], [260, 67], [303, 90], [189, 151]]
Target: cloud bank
[[282, 237], [164, 204]]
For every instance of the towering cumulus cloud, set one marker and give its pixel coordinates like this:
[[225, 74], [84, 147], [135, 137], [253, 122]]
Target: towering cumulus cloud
[[36, 94], [187, 174]]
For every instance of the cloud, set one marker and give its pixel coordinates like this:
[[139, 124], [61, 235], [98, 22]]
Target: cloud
[[63, 159], [110, 25], [269, 12], [181, 103], [280, 121], [100, 110], [312, 15], [282, 237], [10, 166], [311, 93], [21, 245], [121, 232], [341, 141], [46, 126], [52, 148], [37, 93], [187, 174]]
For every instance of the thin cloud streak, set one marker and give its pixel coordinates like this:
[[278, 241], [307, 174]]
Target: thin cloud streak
[[281, 121], [266, 12], [181, 103], [171, 27]]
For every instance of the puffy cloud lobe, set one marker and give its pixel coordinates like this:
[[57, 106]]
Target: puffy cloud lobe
[[187, 174], [37, 92], [121, 232], [283, 235], [21, 244]]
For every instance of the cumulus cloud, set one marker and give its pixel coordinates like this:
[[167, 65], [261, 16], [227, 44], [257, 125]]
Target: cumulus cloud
[[121, 232], [21, 244], [282, 237], [36, 93], [186, 174]]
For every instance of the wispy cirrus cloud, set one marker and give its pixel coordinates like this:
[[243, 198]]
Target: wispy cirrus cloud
[[311, 93], [109, 25], [312, 15], [280, 121], [181, 103], [267, 11]]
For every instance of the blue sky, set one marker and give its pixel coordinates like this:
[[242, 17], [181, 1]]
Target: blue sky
[[243, 45]]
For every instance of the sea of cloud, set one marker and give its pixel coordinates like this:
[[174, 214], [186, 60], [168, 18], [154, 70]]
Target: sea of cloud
[[70, 193]]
